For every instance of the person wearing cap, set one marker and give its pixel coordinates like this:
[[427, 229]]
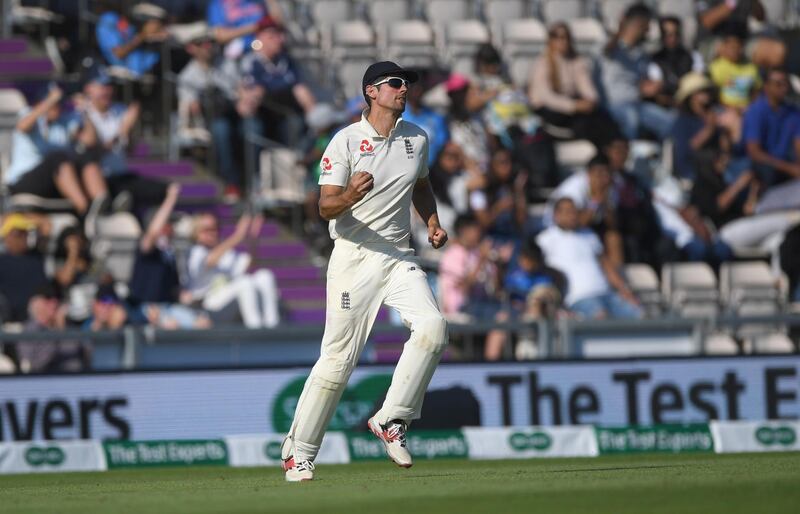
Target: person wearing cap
[[47, 313], [129, 41], [234, 23], [43, 160], [106, 134], [195, 80], [108, 310], [371, 174], [697, 127], [21, 268]]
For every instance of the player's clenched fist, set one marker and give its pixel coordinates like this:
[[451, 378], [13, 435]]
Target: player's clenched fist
[[437, 236], [360, 184]]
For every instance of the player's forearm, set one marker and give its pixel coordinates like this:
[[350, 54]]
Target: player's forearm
[[425, 204], [333, 206]]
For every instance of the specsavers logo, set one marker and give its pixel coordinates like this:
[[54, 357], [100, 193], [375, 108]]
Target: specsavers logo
[[771, 436], [358, 402], [521, 441], [272, 450], [40, 456]]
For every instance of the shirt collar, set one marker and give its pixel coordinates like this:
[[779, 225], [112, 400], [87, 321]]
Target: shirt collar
[[367, 127]]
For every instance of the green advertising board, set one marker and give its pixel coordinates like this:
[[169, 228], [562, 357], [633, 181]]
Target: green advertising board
[[203, 452], [423, 444], [657, 438]]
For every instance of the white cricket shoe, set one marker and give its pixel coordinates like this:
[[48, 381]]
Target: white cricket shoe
[[295, 471], [393, 437]]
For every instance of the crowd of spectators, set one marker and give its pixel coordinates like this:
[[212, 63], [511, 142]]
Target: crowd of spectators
[[720, 108]]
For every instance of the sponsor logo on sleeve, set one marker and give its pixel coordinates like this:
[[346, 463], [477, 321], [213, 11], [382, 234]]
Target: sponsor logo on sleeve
[[326, 166]]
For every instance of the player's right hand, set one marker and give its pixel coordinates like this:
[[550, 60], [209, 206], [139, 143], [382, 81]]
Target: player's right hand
[[361, 183]]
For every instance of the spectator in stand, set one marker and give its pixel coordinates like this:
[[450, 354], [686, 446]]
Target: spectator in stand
[[108, 311], [132, 42], [501, 206], [718, 17], [595, 289], [218, 279], [155, 271], [107, 133], [44, 163], [716, 199], [21, 268], [433, 123], [637, 220], [470, 282], [465, 124], [790, 264], [235, 22], [454, 176], [286, 97], [672, 61], [562, 92], [771, 132], [738, 80], [533, 294], [75, 273], [155, 286], [45, 314], [697, 129], [195, 81], [623, 72], [594, 194]]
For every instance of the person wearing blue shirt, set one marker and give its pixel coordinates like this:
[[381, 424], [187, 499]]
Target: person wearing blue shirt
[[235, 23], [43, 162], [123, 45], [771, 132], [433, 123]]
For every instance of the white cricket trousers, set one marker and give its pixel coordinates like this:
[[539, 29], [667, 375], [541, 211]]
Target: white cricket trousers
[[360, 279], [256, 294]]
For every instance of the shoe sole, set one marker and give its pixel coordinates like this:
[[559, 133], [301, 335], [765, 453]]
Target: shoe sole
[[300, 480], [377, 434]]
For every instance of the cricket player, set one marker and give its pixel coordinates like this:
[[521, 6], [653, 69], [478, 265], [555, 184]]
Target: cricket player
[[372, 171]]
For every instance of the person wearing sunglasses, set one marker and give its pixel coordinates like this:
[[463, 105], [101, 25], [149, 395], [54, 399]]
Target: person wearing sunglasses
[[371, 174]]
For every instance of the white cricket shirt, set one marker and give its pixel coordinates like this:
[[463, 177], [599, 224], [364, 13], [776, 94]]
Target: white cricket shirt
[[395, 162]]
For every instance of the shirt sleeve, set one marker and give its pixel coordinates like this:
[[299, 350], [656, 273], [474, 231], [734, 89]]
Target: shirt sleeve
[[335, 163], [751, 125], [423, 161], [109, 37], [196, 261], [214, 15]]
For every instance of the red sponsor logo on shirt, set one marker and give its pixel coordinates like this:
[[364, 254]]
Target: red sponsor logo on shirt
[[326, 164], [366, 146]]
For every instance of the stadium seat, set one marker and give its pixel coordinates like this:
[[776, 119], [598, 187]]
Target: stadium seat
[[778, 12], [574, 154], [524, 35], [611, 12], [588, 35], [439, 12], [643, 281], [458, 42], [349, 72], [690, 289], [329, 12], [410, 42], [185, 32], [11, 103], [115, 244], [497, 12], [743, 282], [388, 12], [519, 68], [773, 343], [562, 10], [350, 38], [679, 8], [721, 344], [282, 179]]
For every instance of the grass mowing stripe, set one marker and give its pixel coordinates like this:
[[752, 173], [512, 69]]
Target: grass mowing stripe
[[711, 484]]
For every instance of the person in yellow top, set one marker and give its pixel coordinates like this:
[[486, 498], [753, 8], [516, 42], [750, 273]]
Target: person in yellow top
[[737, 79]]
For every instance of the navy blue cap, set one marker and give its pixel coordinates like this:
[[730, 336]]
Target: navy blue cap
[[385, 69]]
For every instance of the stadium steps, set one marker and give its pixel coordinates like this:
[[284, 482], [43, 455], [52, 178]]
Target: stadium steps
[[19, 61]]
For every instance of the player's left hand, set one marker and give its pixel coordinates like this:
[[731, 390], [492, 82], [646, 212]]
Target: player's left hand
[[437, 236]]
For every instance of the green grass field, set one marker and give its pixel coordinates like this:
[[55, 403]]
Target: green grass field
[[709, 484]]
